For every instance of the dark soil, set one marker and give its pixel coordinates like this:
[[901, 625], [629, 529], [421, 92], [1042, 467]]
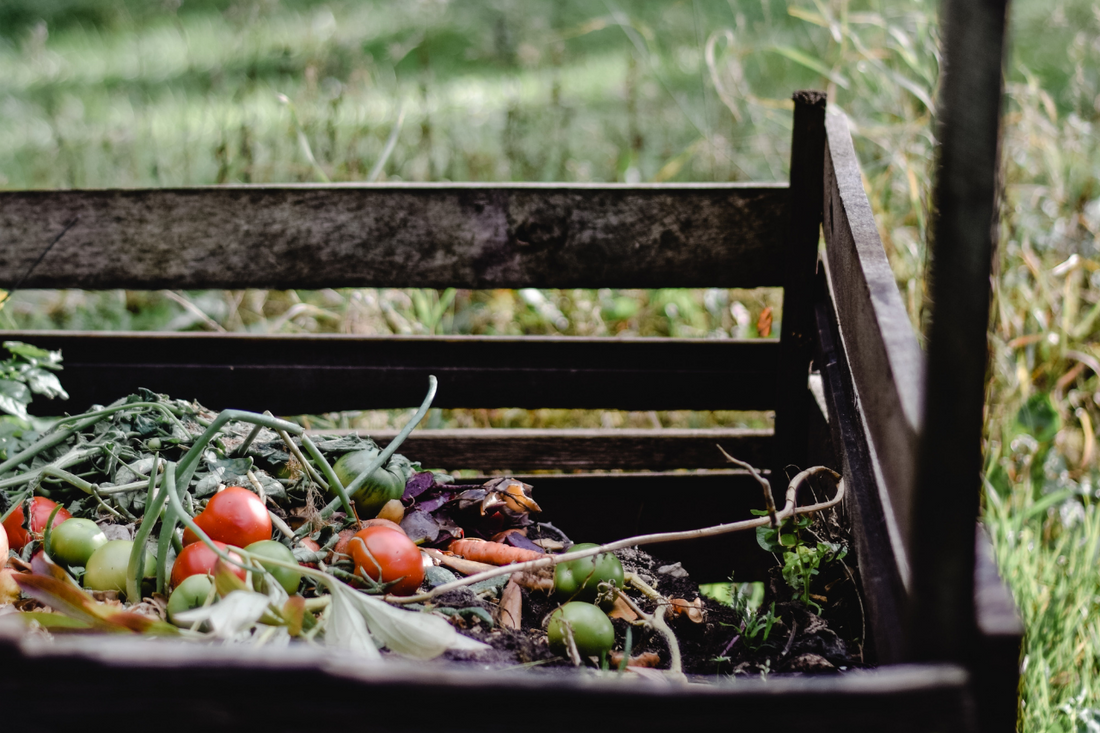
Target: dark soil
[[799, 641]]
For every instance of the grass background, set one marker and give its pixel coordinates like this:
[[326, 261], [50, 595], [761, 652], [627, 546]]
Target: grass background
[[102, 93]]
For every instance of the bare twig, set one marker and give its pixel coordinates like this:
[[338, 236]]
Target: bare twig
[[789, 510], [769, 502], [656, 620]]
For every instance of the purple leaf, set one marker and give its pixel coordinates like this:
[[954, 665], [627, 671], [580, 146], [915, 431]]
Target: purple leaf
[[420, 526], [515, 539], [418, 484], [433, 503]]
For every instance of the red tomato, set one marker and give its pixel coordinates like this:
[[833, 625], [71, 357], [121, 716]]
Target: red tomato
[[40, 514], [234, 516], [382, 549], [198, 559]]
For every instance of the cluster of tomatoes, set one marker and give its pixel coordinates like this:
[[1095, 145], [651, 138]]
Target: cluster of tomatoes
[[235, 517]]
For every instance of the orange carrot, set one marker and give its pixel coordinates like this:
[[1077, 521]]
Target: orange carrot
[[494, 553]]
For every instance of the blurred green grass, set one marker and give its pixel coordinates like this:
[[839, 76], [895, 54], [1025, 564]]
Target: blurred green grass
[[126, 93]]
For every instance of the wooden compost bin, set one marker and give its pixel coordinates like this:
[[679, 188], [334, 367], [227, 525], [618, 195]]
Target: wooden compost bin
[[842, 313]]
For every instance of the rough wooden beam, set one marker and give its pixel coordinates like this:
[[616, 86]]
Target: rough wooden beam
[[323, 373], [882, 352], [966, 218], [396, 235], [803, 231]]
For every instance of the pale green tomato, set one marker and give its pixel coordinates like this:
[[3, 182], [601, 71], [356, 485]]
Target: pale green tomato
[[580, 580], [106, 568], [286, 577], [73, 541], [591, 628], [191, 593]]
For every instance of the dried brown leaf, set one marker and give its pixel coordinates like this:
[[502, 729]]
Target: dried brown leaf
[[510, 611]]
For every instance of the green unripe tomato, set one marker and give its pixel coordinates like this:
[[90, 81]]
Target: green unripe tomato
[[286, 577], [580, 580], [388, 482], [73, 541], [592, 630], [106, 568], [191, 593]]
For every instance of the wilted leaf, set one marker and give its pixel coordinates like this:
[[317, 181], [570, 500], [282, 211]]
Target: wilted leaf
[[294, 610], [420, 527], [54, 622], [233, 614], [510, 613], [417, 485], [410, 633], [75, 603], [346, 627]]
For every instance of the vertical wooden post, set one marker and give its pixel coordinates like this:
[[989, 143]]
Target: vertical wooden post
[[800, 265], [949, 464]]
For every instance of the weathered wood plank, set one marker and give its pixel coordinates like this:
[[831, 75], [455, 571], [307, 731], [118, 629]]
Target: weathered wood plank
[[885, 361], [948, 474], [396, 235], [495, 449], [144, 678], [800, 260], [1000, 636], [323, 373], [882, 566]]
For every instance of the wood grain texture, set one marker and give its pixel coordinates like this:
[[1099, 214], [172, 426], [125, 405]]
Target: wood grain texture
[[403, 235], [1000, 638], [496, 449], [886, 362], [966, 218], [190, 680], [800, 260], [323, 373], [882, 568]]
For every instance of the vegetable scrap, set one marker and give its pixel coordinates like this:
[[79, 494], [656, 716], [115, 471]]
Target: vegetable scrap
[[157, 516]]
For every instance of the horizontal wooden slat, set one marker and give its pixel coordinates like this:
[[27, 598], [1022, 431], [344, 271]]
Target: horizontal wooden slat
[[145, 678], [489, 449], [404, 235], [323, 373], [885, 361]]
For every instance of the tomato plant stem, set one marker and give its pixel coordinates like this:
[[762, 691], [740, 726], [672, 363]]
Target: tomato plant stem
[[397, 441], [84, 420]]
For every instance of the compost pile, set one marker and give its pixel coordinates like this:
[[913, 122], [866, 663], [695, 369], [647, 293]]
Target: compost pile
[[159, 517]]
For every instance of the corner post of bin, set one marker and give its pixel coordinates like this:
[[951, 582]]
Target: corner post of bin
[[942, 622], [799, 268]]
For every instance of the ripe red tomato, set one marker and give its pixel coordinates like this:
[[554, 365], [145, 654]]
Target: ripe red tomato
[[376, 549], [198, 559], [40, 514], [234, 516]]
